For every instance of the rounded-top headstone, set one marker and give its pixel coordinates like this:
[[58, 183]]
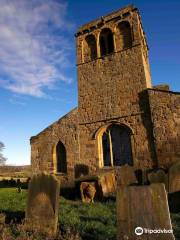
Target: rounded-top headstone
[[43, 204]]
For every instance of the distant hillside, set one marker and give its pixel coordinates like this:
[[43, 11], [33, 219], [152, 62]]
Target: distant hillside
[[15, 171]]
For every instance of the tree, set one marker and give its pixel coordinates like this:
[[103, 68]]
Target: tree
[[2, 158]]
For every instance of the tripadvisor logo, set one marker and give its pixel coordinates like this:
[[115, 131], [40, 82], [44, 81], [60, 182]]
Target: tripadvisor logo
[[139, 231]]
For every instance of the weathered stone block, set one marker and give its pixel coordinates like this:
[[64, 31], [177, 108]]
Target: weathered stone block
[[145, 207], [158, 176], [174, 177], [125, 175], [104, 182], [107, 183], [43, 204]]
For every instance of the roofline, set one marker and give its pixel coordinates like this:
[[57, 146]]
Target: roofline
[[45, 129], [130, 7]]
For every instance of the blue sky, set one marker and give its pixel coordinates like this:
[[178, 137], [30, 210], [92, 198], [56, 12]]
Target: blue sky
[[38, 82]]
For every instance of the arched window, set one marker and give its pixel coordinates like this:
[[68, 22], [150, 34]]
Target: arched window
[[90, 48], [115, 146], [124, 36], [106, 42], [61, 163]]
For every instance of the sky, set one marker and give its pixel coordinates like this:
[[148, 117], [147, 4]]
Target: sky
[[38, 80]]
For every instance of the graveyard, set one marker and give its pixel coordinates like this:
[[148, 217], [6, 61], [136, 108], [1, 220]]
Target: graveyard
[[95, 221], [41, 208], [77, 220]]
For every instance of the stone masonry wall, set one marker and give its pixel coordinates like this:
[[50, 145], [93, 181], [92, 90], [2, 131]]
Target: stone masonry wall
[[109, 87], [42, 145], [143, 153], [165, 113]]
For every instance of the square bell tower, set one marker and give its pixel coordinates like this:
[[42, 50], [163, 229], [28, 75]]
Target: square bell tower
[[112, 65]]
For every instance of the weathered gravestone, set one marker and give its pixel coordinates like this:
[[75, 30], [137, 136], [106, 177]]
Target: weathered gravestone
[[158, 176], [174, 177], [145, 207], [43, 204], [107, 183], [88, 191], [125, 175], [104, 183]]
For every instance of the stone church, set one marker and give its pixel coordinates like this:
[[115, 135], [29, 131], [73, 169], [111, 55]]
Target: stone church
[[121, 118]]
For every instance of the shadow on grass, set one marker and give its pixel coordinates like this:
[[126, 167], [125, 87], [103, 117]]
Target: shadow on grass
[[14, 217], [98, 219]]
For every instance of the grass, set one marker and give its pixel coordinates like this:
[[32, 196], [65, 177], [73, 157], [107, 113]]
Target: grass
[[91, 221]]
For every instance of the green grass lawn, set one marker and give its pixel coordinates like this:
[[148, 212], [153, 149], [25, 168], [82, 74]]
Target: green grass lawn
[[92, 221], [95, 221]]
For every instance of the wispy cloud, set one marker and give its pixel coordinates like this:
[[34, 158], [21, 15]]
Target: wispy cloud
[[17, 99], [33, 47]]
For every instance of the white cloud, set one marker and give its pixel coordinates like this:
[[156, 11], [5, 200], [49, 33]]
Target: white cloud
[[33, 49]]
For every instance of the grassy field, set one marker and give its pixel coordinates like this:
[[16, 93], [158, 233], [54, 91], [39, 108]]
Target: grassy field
[[92, 221]]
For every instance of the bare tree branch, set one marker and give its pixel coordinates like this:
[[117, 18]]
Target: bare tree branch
[[2, 158]]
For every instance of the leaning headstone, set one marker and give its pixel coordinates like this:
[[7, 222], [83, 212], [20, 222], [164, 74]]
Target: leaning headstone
[[158, 176], [174, 177], [126, 176], [43, 204], [143, 213]]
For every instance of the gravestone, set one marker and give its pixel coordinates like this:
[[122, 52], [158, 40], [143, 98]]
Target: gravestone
[[174, 177], [143, 213], [88, 191], [104, 183], [43, 204], [125, 175], [107, 183], [158, 176]]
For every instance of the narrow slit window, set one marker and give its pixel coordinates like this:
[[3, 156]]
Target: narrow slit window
[[61, 162]]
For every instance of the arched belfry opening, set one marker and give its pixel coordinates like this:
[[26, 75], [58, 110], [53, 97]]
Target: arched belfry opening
[[106, 42], [124, 35], [115, 146], [61, 161], [90, 48]]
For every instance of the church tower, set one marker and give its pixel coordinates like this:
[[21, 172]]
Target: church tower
[[113, 69]]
